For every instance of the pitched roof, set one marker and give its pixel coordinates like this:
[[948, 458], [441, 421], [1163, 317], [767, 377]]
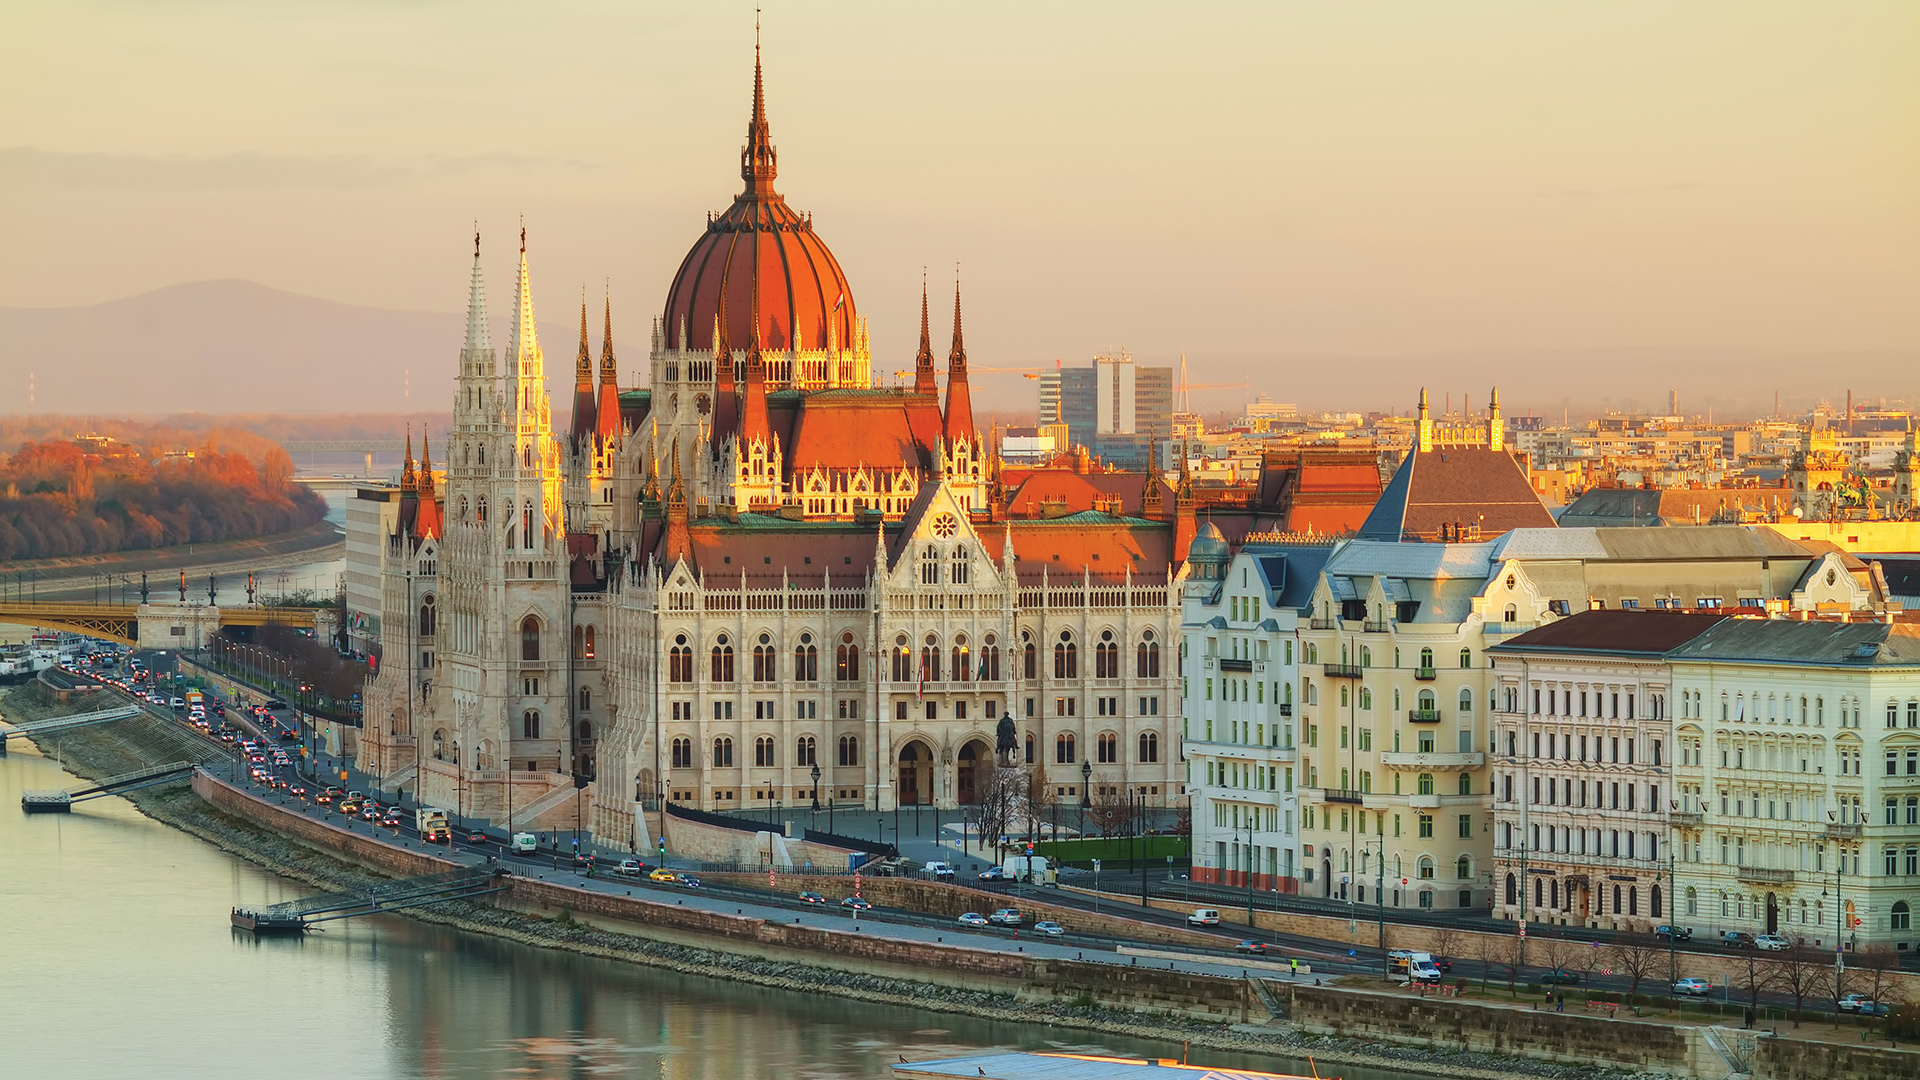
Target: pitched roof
[[1669, 506], [1702, 542], [1465, 486], [1613, 631], [1814, 643], [846, 429]]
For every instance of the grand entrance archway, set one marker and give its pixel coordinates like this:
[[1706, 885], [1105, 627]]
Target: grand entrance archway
[[915, 787], [973, 770]]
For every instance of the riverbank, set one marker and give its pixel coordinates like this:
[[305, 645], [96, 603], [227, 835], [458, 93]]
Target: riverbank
[[77, 577], [112, 748]]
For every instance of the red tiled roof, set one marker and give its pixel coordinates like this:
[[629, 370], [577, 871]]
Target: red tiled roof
[[845, 429]]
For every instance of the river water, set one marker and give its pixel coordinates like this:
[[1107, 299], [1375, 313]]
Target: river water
[[117, 961]]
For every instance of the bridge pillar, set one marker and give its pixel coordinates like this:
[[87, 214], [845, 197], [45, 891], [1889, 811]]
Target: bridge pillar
[[178, 626]]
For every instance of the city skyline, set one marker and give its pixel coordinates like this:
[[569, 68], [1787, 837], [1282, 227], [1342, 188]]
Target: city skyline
[[1533, 184]]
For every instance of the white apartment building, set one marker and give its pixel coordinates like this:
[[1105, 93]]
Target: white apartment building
[[1798, 781], [1582, 768], [371, 516], [1240, 679]]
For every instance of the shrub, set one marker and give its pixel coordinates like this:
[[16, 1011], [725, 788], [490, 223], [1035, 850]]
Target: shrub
[[1904, 1023]]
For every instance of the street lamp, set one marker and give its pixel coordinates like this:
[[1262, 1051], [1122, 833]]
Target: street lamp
[[1086, 780], [815, 774]]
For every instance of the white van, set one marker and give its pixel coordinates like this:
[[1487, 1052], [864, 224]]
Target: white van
[[939, 870], [1205, 916], [523, 841]]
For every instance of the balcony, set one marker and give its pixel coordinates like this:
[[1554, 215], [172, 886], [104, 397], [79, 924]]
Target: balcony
[[1425, 674], [1765, 875], [1322, 624], [1845, 832], [1341, 795], [1423, 716], [1430, 761], [1227, 664], [1286, 709], [1340, 671], [1372, 627], [1686, 819]]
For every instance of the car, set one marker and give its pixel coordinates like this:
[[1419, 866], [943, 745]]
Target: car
[[688, 881], [857, 903], [1049, 928], [1771, 943], [1560, 977], [1251, 947], [630, 868], [663, 875], [972, 918], [811, 897], [993, 873], [1854, 1002], [297, 791], [393, 820], [1876, 1008], [475, 836], [370, 813], [1007, 916], [1736, 939], [1693, 987]]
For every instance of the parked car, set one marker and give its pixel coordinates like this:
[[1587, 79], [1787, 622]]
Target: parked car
[[1251, 947], [1560, 977], [1049, 928], [857, 903], [1676, 933], [972, 918], [1770, 943], [1854, 1002], [1693, 987], [1007, 916], [1735, 939], [812, 897]]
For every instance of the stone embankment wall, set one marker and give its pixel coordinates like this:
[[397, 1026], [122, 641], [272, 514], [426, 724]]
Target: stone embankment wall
[[699, 841], [355, 847]]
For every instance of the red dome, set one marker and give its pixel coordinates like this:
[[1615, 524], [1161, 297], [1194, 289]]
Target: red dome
[[760, 246]]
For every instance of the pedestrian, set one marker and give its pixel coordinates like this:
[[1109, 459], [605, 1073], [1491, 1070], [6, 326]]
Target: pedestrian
[[1293, 968], [1561, 1000]]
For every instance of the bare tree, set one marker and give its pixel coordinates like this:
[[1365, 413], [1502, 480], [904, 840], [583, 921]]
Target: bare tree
[[1110, 810], [1637, 960], [1446, 943], [1553, 952], [1872, 974], [1039, 796], [1753, 974], [1804, 973], [1502, 953]]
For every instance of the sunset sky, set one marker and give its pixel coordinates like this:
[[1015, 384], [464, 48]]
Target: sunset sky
[[1221, 179]]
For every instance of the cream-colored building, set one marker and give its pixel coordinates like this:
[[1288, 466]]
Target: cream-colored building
[[1798, 781]]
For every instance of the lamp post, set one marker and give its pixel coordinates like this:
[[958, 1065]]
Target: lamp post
[[1086, 790], [1250, 866], [814, 773]]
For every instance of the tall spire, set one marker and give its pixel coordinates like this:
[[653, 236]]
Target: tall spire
[[753, 416], [584, 420], [608, 412], [959, 400], [758, 165], [426, 520], [1424, 435], [478, 340], [923, 382], [1496, 428], [407, 479], [526, 341], [726, 399]]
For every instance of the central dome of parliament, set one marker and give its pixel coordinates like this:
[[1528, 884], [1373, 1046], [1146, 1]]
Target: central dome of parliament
[[760, 256]]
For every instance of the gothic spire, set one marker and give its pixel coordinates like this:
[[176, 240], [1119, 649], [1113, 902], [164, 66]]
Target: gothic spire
[[758, 165], [526, 341], [923, 382], [478, 340], [407, 479], [959, 426], [607, 413]]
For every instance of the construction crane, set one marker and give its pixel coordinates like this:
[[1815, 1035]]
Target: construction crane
[[1023, 372]]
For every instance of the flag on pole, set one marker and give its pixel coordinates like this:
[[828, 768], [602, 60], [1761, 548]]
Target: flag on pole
[[840, 303]]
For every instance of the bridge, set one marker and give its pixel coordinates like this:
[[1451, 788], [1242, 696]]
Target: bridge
[[298, 915], [61, 802], [154, 626], [65, 723], [368, 447]]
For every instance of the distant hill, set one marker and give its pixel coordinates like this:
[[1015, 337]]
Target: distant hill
[[238, 346]]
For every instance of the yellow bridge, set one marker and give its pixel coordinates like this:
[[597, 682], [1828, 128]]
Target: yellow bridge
[[153, 626]]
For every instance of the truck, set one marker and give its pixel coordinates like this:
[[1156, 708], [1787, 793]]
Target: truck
[[432, 825], [1412, 967], [195, 697], [1030, 868]]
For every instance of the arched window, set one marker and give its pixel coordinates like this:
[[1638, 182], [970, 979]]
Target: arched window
[[961, 566], [849, 750], [465, 509], [765, 666], [1466, 702], [1106, 657], [1366, 697], [1426, 704], [1463, 868], [962, 659], [1109, 748], [990, 661], [1066, 657], [806, 660], [722, 667], [930, 566], [680, 660], [590, 642], [586, 731], [683, 753], [763, 752], [902, 660], [1030, 657], [1149, 746], [1029, 757], [426, 617], [530, 724], [579, 643], [1146, 657], [1426, 659], [1063, 749], [1653, 900], [480, 511], [1426, 867], [1902, 915], [930, 659], [1693, 901], [803, 754], [846, 660], [1513, 889], [1426, 783], [1512, 614], [530, 638], [586, 699], [1466, 658], [723, 753], [439, 737], [526, 524]]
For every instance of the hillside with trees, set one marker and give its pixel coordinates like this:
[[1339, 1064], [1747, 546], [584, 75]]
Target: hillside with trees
[[96, 495]]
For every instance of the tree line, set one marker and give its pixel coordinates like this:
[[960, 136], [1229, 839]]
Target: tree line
[[61, 498]]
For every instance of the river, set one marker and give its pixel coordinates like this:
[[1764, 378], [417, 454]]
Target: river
[[119, 962]]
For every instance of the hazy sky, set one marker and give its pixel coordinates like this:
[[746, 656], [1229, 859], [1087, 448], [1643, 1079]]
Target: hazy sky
[[1223, 179]]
